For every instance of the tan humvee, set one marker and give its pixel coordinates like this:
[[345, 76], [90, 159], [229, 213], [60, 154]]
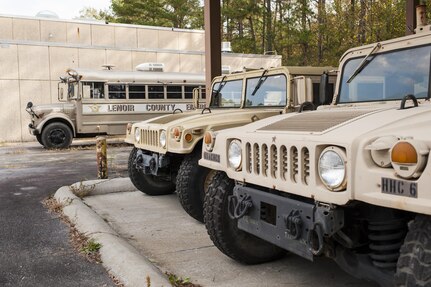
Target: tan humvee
[[104, 101], [167, 149], [350, 181]]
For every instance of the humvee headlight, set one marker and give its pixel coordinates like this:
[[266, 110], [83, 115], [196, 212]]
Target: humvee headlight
[[176, 133], [235, 154], [162, 138], [380, 150], [332, 168], [408, 158], [137, 135], [209, 140]]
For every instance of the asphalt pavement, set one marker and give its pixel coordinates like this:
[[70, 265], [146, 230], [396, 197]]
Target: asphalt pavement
[[140, 235], [34, 244]]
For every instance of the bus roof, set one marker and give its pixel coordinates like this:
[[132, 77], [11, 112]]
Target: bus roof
[[136, 76]]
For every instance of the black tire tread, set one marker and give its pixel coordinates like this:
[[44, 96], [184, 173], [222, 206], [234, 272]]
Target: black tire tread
[[414, 263], [145, 183], [238, 245], [45, 134], [189, 190]]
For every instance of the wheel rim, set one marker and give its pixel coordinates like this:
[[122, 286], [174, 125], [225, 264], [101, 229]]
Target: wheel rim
[[57, 136]]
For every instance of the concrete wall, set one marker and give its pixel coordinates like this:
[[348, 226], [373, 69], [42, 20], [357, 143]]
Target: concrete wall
[[34, 52]]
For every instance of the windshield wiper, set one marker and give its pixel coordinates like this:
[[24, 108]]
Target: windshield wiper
[[221, 85], [364, 62], [259, 82]]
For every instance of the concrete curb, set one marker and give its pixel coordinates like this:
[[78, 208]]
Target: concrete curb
[[118, 256]]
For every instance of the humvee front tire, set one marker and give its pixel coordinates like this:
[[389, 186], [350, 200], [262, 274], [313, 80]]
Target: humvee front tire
[[147, 183], [413, 268], [56, 135], [223, 231], [192, 182]]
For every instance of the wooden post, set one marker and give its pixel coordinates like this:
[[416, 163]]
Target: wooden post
[[212, 20], [102, 165]]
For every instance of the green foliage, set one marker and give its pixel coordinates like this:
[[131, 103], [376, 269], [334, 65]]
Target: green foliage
[[91, 247], [304, 32]]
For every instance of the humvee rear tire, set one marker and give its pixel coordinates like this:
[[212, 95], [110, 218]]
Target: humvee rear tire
[[56, 135], [192, 182], [413, 268], [147, 183], [223, 231]]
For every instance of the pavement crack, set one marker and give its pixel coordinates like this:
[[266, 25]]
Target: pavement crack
[[188, 249]]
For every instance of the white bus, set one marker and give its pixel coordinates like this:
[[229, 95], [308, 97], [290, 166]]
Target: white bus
[[103, 102]]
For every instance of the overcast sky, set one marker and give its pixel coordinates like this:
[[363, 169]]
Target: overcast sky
[[65, 9]]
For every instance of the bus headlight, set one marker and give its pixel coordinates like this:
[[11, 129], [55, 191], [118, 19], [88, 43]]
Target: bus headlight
[[162, 138], [332, 168], [137, 135], [235, 154]]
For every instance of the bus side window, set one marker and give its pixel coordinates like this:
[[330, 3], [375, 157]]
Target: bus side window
[[174, 92], [156, 92], [136, 91], [117, 92], [188, 92], [203, 92], [93, 90]]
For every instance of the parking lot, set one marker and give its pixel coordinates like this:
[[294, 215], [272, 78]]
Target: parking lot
[[35, 248]]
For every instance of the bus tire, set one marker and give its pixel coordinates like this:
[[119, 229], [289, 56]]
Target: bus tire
[[192, 183], [56, 135], [39, 139], [223, 231], [415, 257], [147, 183]]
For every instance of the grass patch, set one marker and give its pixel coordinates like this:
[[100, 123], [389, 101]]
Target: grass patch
[[177, 281]]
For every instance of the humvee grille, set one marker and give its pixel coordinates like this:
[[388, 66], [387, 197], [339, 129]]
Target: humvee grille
[[286, 162], [317, 121], [150, 137]]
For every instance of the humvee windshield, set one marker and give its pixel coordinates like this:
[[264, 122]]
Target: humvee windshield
[[226, 94], [387, 76], [270, 92]]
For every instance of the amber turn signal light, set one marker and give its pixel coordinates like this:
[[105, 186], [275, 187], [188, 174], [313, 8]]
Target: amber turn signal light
[[208, 138], [188, 137], [404, 153]]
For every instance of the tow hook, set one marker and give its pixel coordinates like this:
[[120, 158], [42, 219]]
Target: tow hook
[[315, 239], [293, 224], [239, 208]]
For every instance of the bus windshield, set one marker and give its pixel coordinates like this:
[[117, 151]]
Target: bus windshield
[[387, 76], [266, 91], [227, 94]]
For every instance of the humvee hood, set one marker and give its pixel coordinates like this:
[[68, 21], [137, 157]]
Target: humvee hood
[[345, 123], [199, 119]]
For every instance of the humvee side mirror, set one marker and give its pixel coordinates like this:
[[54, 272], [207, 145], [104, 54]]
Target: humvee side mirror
[[196, 98], [304, 89], [29, 105], [325, 97]]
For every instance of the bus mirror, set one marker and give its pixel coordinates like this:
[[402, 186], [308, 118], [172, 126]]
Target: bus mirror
[[61, 87], [196, 98], [325, 97]]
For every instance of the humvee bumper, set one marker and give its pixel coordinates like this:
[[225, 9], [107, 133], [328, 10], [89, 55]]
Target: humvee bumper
[[150, 163], [32, 130], [293, 225]]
